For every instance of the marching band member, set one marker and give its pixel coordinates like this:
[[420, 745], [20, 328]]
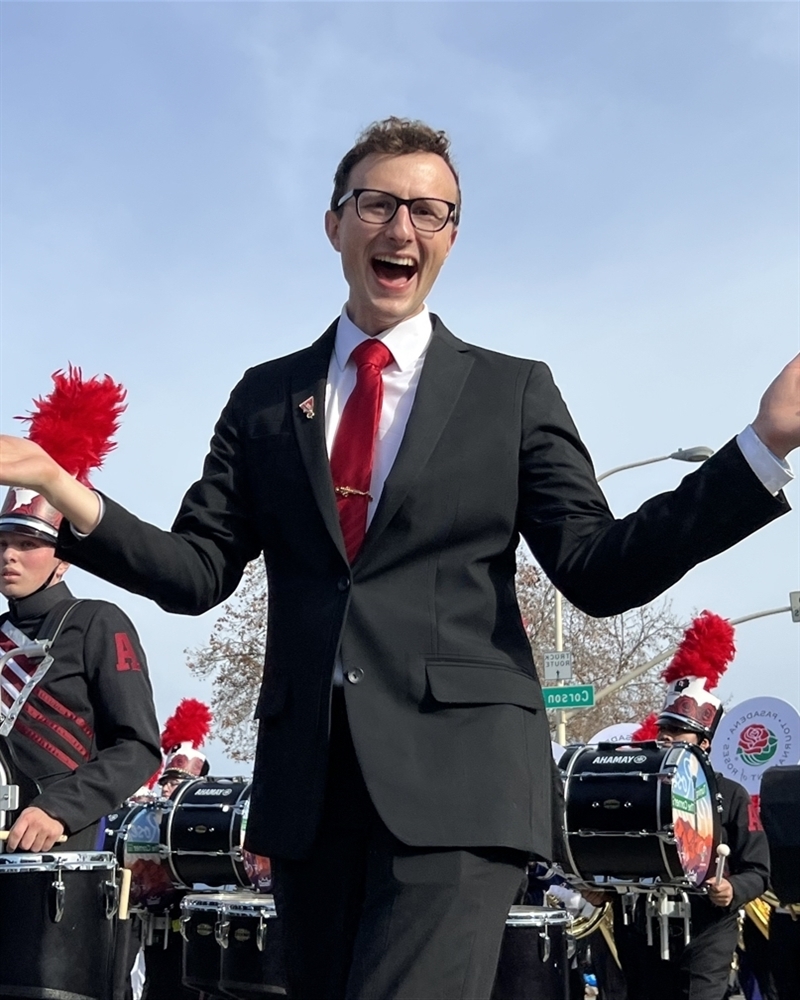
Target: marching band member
[[691, 714], [184, 733], [83, 727]]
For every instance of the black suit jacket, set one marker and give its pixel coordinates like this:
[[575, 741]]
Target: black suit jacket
[[445, 708]]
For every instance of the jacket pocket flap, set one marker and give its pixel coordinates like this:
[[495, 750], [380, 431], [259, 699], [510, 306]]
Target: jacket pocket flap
[[465, 682]]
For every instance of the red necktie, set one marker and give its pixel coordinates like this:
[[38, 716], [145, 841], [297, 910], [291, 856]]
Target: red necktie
[[354, 445]]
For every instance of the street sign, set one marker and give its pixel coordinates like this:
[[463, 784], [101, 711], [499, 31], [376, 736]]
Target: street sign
[[578, 696], [794, 603], [557, 665]]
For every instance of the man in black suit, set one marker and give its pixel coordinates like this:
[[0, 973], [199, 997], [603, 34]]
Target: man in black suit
[[402, 775]]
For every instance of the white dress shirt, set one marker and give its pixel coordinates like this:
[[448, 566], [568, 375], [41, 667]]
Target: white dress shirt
[[408, 342]]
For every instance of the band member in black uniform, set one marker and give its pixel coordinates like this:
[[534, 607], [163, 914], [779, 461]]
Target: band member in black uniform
[[86, 732], [184, 733], [701, 969]]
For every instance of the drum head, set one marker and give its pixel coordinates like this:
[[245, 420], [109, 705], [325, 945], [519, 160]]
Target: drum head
[[693, 813], [139, 848]]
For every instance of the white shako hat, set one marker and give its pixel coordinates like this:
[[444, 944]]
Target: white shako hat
[[701, 659], [75, 424], [183, 733]]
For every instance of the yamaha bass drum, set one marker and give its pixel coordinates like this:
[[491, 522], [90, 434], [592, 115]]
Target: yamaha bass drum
[[640, 813]]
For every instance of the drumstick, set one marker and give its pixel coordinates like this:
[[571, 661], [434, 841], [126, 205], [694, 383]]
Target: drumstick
[[124, 893], [4, 836], [722, 852]]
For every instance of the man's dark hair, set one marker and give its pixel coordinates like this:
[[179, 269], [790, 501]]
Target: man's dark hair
[[396, 136]]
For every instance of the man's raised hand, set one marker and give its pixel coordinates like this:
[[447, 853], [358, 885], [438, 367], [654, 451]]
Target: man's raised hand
[[23, 463], [778, 420]]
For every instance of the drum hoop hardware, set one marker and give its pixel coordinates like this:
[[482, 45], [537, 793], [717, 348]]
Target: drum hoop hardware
[[261, 932], [111, 891], [204, 854], [60, 896], [643, 775], [544, 945], [185, 918], [222, 930]]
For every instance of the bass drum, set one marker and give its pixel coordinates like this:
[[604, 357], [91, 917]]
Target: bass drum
[[203, 834], [639, 813], [133, 835]]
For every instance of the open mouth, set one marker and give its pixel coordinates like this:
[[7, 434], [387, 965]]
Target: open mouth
[[394, 270]]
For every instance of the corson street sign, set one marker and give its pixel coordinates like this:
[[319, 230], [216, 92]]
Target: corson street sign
[[579, 696]]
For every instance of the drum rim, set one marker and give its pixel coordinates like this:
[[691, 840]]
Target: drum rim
[[213, 900], [520, 916], [60, 860], [251, 908]]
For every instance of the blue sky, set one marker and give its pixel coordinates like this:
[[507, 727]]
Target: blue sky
[[630, 176]]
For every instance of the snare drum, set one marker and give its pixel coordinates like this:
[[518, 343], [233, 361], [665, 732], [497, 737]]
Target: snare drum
[[57, 925], [200, 915], [251, 960], [639, 813], [533, 956], [203, 833]]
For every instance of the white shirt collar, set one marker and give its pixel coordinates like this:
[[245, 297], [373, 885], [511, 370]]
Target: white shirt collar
[[407, 341]]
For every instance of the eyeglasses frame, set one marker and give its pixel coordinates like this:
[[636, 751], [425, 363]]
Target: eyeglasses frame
[[453, 214]]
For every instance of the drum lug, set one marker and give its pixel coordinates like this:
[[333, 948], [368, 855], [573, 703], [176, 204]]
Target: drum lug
[[544, 945], [111, 890], [60, 895], [185, 918], [221, 929], [261, 933]]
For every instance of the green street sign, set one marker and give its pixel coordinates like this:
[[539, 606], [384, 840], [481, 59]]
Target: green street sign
[[578, 696]]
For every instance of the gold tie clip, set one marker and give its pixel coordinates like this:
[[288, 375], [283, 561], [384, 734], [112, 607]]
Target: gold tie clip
[[350, 491]]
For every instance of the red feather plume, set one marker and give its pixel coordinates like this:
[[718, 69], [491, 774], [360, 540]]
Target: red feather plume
[[705, 651], [190, 723], [647, 731], [76, 422]]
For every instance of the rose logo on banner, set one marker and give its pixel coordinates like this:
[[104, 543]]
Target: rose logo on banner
[[754, 735], [757, 744]]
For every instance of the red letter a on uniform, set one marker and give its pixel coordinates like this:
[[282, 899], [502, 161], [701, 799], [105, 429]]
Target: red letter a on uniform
[[126, 657]]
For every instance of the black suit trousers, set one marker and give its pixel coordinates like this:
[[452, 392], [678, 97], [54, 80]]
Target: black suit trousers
[[369, 918]]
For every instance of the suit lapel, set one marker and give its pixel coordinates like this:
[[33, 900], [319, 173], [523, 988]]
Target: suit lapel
[[308, 416], [447, 365]]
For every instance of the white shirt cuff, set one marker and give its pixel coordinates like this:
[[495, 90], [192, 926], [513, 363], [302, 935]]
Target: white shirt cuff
[[774, 472], [80, 534]]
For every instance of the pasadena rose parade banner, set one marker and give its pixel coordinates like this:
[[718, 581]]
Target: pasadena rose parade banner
[[754, 735]]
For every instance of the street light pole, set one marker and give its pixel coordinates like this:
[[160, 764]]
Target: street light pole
[[631, 675], [697, 454]]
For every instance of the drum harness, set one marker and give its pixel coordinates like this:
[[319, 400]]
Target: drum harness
[[21, 662], [29, 660]]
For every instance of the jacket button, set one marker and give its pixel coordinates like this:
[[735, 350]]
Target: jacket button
[[343, 583], [355, 676]]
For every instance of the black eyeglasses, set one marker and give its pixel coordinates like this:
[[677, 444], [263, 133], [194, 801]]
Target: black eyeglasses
[[428, 215]]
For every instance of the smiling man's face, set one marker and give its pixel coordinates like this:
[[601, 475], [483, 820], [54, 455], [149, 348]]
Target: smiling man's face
[[391, 268]]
